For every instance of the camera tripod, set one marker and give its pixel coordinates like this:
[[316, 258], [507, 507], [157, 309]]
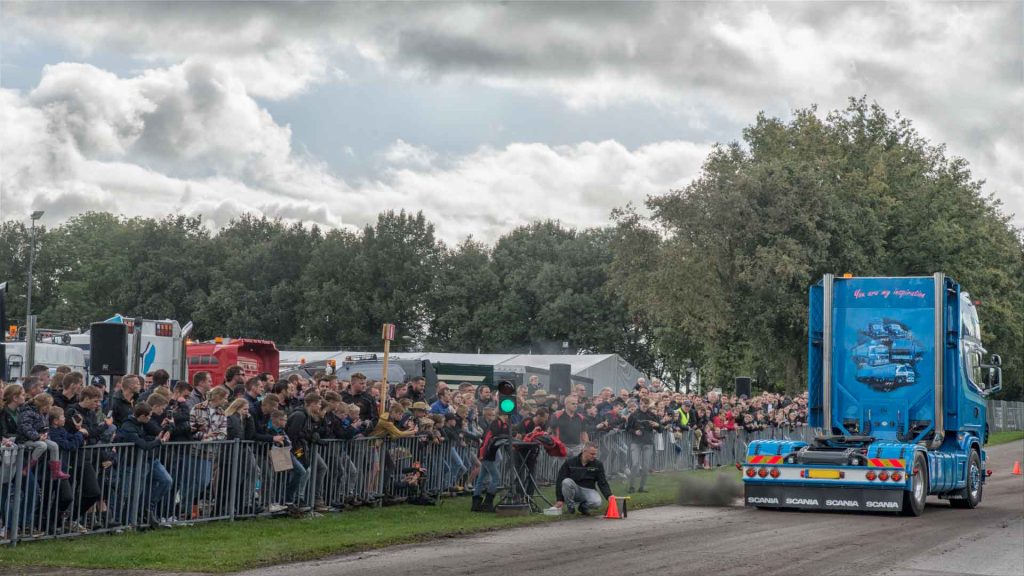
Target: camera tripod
[[522, 494]]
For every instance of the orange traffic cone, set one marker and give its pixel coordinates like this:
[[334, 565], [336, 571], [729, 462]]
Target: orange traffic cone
[[1016, 467], [613, 509]]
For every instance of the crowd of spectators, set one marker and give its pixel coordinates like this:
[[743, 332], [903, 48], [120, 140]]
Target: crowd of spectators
[[53, 417]]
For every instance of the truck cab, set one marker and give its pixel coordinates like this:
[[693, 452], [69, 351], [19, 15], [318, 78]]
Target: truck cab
[[897, 381]]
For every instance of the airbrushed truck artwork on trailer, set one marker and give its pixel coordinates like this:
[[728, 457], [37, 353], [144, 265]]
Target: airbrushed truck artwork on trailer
[[886, 355], [897, 383]]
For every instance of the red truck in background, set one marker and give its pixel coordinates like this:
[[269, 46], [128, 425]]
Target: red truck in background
[[254, 356]]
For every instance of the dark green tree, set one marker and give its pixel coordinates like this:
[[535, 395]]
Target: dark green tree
[[359, 282], [858, 191]]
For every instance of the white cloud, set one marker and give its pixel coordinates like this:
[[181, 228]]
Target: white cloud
[[141, 145], [189, 139], [489, 191], [954, 69], [401, 153]]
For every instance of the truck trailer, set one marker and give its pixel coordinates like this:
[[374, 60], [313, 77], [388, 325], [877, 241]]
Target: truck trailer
[[216, 356], [897, 381]]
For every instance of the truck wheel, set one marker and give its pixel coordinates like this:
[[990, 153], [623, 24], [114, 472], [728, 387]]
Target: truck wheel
[[970, 496], [913, 499]]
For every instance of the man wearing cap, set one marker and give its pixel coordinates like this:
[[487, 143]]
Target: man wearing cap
[[419, 410]]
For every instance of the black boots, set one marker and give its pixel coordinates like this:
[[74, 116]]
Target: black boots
[[488, 505], [477, 504]]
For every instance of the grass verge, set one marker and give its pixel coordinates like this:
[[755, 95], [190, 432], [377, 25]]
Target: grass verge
[[229, 546], [1004, 437]]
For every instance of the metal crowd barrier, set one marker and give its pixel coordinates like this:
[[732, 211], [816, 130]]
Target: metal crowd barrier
[[1005, 415], [115, 487]]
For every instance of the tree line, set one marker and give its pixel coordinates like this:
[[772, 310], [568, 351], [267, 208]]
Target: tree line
[[712, 277]]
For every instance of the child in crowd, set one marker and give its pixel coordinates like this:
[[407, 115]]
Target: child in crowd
[[33, 428]]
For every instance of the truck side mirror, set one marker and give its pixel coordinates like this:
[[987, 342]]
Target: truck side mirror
[[995, 360], [993, 379]]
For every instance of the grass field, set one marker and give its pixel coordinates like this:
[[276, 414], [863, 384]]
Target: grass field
[[1004, 437], [228, 546]]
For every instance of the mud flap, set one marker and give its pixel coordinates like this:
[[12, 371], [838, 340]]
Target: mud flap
[[823, 498]]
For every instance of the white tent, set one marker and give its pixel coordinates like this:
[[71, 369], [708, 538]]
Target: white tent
[[602, 369]]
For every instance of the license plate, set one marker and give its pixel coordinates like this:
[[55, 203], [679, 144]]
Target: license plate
[[823, 474]]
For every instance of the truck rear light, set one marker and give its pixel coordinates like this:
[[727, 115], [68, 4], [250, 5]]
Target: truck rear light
[[164, 329], [750, 472], [762, 472], [883, 475], [774, 473], [896, 476], [870, 475]]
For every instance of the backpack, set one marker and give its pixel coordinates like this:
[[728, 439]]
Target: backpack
[[552, 445]]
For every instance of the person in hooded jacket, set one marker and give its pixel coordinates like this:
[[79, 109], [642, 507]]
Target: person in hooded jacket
[[496, 435], [134, 430], [303, 430]]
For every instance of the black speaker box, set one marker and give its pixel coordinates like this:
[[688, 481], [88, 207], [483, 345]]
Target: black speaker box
[[560, 380], [108, 349], [430, 390], [743, 386]]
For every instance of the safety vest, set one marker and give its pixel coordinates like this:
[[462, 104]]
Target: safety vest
[[684, 417]]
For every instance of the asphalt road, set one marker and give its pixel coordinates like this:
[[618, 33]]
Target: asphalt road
[[734, 540]]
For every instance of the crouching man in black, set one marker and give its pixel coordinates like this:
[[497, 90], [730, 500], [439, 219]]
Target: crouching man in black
[[581, 482]]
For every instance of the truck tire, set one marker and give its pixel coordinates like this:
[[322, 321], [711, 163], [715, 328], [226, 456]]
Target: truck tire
[[970, 496], [914, 499]]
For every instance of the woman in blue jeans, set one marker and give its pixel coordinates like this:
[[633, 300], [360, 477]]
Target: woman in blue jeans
[[497, 429]]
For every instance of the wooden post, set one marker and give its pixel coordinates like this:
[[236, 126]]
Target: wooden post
[[387, 334], [384, 379]]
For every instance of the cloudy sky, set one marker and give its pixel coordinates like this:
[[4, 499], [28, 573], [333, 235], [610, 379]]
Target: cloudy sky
[[484, 116]]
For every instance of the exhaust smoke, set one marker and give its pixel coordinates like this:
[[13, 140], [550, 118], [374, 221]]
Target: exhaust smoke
[[722, 488]]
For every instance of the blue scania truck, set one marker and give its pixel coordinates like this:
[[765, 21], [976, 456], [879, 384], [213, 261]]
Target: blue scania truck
[[897, 380]]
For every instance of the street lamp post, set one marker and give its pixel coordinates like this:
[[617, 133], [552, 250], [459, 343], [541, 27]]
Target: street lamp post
[[31, 260]]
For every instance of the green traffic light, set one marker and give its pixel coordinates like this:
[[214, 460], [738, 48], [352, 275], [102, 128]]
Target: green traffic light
[[507, 405]]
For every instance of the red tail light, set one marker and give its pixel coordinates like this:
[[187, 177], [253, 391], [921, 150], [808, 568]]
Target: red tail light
[[870, 475], [896, 476], [774, 472], [762, 472], [883, 475], [750, 472]]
